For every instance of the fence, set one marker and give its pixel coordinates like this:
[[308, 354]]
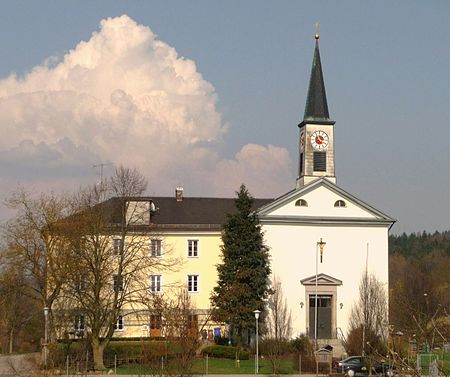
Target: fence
[[430, 364]]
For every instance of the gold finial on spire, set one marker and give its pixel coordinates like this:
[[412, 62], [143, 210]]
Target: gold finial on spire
[[317, 25]]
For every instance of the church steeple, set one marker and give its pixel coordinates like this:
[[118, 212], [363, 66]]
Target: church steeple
[[316, 108], [316, 159]]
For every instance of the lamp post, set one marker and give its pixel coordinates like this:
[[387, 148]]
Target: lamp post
[[46, 310], [257, 350], [320, 245]]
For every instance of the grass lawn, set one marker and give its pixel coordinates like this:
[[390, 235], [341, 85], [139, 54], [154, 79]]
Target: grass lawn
[[219, 366], [227, 366]]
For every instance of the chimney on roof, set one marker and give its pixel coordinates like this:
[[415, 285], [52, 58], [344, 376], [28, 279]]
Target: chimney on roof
[[179, 194]]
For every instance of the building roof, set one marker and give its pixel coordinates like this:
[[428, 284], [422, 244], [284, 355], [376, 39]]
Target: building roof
[[190, 213], [316, 108], [197, 210]]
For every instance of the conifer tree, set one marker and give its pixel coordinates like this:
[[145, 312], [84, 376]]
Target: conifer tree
[[243, 275]]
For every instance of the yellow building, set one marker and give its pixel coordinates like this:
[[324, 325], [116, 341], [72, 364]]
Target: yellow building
[[186, 231]]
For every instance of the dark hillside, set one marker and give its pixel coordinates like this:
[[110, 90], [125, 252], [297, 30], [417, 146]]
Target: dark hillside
[[420, 244]]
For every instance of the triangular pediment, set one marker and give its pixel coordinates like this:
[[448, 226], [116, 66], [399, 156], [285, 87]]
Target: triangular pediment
[[317, 202], [322, 279]]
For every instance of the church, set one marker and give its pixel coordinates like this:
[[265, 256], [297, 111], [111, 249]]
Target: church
[[322, 239]]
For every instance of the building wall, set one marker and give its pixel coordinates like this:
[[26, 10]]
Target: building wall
[[293, 258], [204, 265], [175, 245]]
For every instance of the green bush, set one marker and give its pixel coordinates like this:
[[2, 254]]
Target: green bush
[[226, 352], [302, 345]]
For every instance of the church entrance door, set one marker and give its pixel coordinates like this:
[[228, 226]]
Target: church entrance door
[[323, 316]]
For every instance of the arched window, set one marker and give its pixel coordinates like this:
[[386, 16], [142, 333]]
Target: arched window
[[340, 203], [301, 203]]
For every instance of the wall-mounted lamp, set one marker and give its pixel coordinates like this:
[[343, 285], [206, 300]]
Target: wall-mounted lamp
[[301, 305], [341, 305]]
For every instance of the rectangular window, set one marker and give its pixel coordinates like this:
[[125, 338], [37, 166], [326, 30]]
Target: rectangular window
[[320, 161], [78, 322], [192, 283], [80, 282], [118, 246], [119, 325], [192, 324], [155, 248], [323, 301], [155, 283], [118, 283], [301, 163], [192, 248], [155, 325]]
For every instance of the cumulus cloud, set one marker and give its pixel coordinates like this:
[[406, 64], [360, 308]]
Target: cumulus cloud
[[265, 170], [127, 97]]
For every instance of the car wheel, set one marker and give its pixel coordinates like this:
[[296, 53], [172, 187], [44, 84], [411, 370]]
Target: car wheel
[[350, 373]]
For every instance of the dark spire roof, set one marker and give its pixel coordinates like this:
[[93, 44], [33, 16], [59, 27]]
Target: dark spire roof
[[316, 108]]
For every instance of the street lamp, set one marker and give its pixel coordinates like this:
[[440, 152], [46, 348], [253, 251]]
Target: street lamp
[[46, 310], [320, 245], [257, 361]]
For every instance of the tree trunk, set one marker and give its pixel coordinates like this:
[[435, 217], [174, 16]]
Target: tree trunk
[[11, 337], [97, 350]]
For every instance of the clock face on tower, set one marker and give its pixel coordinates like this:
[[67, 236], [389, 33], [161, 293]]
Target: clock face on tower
[[319, 140]]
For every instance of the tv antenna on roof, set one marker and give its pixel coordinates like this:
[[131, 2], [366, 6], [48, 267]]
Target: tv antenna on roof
[[101, 166]]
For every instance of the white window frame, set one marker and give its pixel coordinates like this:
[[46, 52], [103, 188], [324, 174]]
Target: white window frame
[[79, 323], [118, 246], [157, 242], [193, 248], [193, 282], [120, 323], [155, 286]]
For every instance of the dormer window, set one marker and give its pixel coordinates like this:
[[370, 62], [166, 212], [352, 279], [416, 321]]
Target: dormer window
[[340, 203], [301, 203]]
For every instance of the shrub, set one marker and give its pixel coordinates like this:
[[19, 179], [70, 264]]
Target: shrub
[[226, 352], [302, 345], [374, 344], [275, 350], [125, 351]]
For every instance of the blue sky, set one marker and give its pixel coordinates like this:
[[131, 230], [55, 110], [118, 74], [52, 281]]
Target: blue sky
[[386, 68]]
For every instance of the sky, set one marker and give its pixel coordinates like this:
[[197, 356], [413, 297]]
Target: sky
[[208, 95]]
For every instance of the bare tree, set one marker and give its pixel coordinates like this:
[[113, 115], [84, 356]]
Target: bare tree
[[419, 301], [127, 182], [183, 322], [278, 327], [17, 304], [31, 246], [278, 320], [368, 319], [110, 257]]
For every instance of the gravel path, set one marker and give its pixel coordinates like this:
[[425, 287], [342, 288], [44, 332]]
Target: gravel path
[[18, 365]]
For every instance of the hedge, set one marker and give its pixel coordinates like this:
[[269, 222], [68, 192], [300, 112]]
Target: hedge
[[226, 352], [122, 349]]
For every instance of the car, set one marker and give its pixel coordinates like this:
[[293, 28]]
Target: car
[[360, 366]]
